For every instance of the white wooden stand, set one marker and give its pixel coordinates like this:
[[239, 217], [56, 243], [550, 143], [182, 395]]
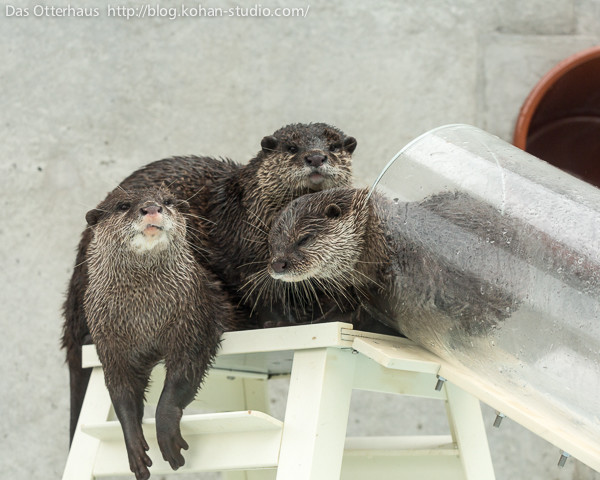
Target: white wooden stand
[[326, 363]]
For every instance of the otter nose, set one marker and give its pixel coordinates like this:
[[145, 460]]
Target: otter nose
[[315, 159], [151, 210], [279, 265]]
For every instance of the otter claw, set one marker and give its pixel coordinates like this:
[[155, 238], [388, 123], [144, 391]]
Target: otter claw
[[171, 450], [139, 466]]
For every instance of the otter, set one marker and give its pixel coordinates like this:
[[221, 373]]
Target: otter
[[233, 206], [148, 299], [377, 254]]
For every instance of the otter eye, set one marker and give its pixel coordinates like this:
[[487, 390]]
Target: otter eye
[[335, 147], [304, 240], [168, 202], [293, 149], [124, 206]]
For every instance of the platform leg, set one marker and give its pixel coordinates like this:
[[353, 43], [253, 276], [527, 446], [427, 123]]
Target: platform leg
[[255, 397], [468, 431], [96, 408], [316, 416]]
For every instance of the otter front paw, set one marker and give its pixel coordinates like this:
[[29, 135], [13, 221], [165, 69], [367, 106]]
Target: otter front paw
[[139, 461], [169, 437]]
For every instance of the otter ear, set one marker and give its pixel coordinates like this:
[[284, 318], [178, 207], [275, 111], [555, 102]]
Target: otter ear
[[350, 144], [269, 144], [93, 216], [333, 211]]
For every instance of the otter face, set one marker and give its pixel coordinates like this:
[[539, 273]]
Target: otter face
[[315, 237], [306, 158], [143, 220]]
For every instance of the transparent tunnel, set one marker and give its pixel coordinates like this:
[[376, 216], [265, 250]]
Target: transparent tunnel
[[506, 268]]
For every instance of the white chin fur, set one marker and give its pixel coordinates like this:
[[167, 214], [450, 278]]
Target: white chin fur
[[291, 278], [144, 243], [286, 277]]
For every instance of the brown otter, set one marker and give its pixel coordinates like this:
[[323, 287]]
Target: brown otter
[[148, 299], [233, 207], [376, 252]]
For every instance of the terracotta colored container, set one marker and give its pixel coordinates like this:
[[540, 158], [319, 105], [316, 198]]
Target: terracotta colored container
[[560, 119]]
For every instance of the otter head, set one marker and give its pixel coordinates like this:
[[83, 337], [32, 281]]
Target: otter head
[[139, 220], [304, 158], [319, 235]]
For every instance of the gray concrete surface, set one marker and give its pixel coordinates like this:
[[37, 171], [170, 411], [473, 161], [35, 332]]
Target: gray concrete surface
[[84, 101]]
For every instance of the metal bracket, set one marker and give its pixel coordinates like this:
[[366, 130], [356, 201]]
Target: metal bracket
[[440, 383], [498, 420]]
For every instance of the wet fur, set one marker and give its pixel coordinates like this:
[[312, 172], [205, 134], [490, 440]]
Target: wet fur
[[231, 208], [143, 306], [394, 278]]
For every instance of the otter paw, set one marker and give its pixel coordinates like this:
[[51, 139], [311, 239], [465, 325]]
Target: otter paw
[[171, 443], [139, 461]]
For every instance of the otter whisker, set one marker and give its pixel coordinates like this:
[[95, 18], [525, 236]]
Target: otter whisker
[[81, 263], [196, 193], [256, 280], [324, 287], [264, 285], [124, 191], [250, 240], [369, 279], [258, 218], [255, 227], [250, 263], [202, 252], [196, 230], [204, 219]]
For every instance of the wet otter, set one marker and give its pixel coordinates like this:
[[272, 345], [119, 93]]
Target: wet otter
[[376, 252], [233, 207], [148, 299]]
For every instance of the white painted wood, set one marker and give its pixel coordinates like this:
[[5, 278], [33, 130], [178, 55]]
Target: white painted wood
[[373, 377], [316, 415], [420, 445], [398, 354], [468, 430], [233, 440], [406, 457], [96, 408], [262, 474], [279, 339], [533, 415], [335, 334], [445, 467], [328, 361], [235, 475], [200, 424]]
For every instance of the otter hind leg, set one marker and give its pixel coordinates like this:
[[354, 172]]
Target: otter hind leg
[[128, 401], [177, 393]]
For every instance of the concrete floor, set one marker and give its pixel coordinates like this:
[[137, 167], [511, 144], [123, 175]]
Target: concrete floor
[[87, 100]]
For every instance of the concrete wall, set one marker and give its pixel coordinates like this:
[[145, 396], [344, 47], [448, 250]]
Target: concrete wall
[[84, 101]]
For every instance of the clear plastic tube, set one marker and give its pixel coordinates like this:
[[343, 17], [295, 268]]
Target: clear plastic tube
[[512, 248]]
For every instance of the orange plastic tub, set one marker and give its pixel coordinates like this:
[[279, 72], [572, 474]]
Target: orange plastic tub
[[560, 119]]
